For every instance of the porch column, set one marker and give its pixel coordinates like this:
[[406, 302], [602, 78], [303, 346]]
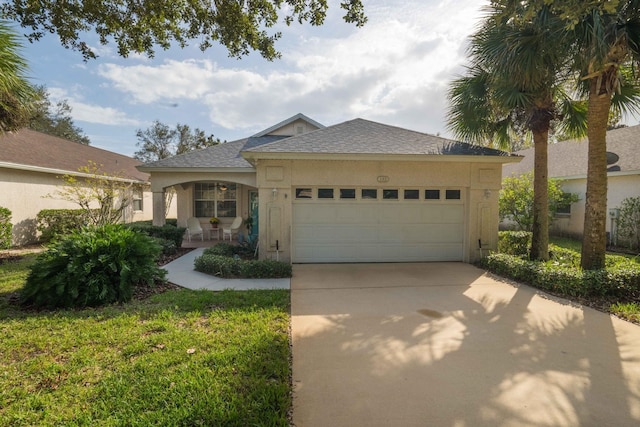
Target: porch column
[[158, 208]]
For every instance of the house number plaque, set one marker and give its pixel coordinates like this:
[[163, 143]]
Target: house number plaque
[[383, 178]]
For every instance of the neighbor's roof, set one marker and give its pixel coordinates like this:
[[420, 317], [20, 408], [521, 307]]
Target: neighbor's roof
[[361, 136], [27, 149], [568, 159]]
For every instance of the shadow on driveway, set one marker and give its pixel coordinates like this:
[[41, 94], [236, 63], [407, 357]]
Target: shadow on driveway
[[444, 344]]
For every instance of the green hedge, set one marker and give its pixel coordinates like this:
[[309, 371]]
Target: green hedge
[[218, 265], [54, 223], [168, 221], [5, 228], [93, 266], [223, 260], [514, 242], [265, 269], [166, 232], [620, 280]]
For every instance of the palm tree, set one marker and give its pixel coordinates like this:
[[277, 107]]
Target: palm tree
[[514, 87], [600, 39], [605, 42], [16, 94]]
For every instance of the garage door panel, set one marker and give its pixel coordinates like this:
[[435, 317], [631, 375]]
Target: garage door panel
[[377, 231], [452, 214]]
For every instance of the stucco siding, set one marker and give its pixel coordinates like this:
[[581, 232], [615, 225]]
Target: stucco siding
[[619, 187], [26, 193]]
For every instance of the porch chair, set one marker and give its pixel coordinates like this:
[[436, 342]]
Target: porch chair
[[232, 229], [194, 228]]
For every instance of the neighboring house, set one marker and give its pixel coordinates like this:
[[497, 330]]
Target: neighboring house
[[568, 162], [358, 191], [31, 167]]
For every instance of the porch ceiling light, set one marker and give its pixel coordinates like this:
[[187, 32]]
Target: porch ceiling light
[[223, 187]]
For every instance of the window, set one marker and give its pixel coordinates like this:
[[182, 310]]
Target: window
[[411, 194], [390, 194], [452, 194], [304, 193], [432, 194], [325, 193], [137, 198], [564, 205], [369, 193], [215, 199], [347, 193]]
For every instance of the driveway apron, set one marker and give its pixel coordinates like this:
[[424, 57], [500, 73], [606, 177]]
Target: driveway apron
[[445, 344]]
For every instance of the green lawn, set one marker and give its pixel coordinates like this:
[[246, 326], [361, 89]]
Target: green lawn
[[576, 245], [180, 358]]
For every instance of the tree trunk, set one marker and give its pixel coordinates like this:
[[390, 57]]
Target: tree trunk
[[540, 228], [594, 241]]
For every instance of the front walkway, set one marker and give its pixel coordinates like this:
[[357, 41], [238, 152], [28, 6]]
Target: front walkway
[[445, 344], [180, 272]]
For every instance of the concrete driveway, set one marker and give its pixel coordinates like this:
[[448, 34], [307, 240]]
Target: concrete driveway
[[444, 344]]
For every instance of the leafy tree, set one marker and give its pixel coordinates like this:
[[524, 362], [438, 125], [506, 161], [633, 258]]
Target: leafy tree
[[601, 39], [514, 89], [516, 200], [55, 120], [16, 93], [141, 26], [102, 196], [628, 223], [159, 141]]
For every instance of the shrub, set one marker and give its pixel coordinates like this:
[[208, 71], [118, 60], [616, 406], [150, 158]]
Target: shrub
[[217, 265], [265, 269], [514, 242], [628, 222], [222, 249], [564, 256], [93, 266], [168, 221], [5, 228], [168, 246], [54, 223], [166, 232], [222, 260], [620, 280]]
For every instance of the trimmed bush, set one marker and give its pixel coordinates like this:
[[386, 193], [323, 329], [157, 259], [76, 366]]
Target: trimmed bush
[[514, 242], [54, 223], [5, 228], [265, 269], [222, 260], [166, 232], [168, 221], [168, 246], [91, 267], [217, 265], [564, 256], [222, 249], [620, 280]]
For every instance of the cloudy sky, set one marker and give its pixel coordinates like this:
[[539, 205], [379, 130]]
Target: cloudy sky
[[394, 70]]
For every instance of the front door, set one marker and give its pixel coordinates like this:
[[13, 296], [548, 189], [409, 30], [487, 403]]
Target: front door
[[253, 212]]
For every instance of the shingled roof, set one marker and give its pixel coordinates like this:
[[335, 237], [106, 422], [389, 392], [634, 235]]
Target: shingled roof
[[28, 149], [568, 159], [361, 136], [226, 155]]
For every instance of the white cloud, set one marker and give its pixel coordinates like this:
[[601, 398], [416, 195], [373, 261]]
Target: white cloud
[[392, 70], [91, 113]]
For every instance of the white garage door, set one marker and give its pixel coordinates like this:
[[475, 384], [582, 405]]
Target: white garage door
[[377, 231]]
